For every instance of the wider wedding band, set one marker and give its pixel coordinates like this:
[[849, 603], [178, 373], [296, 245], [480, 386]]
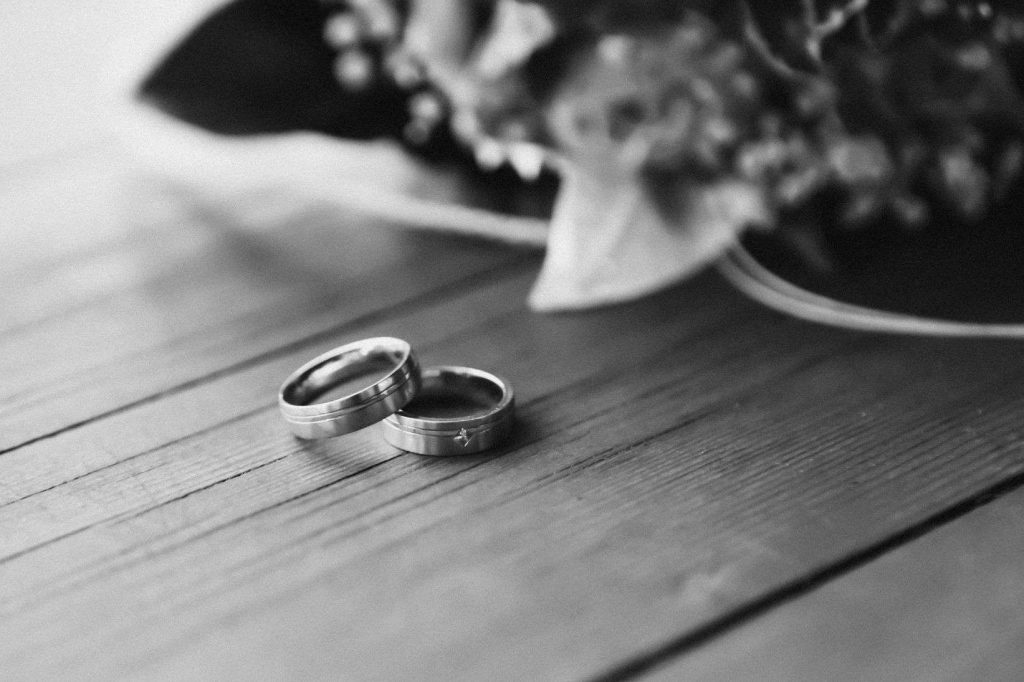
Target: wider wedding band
[[458, 411], [368, 404]]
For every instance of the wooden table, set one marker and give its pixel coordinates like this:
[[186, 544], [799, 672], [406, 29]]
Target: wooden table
[[698, 488]]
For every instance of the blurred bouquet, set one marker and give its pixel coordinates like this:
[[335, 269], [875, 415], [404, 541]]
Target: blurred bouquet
[[674, 125]]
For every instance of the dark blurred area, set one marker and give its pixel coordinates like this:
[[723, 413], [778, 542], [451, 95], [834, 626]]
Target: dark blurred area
[[261, 66]]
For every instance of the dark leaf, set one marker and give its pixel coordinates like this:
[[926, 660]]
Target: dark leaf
[[259, 66]]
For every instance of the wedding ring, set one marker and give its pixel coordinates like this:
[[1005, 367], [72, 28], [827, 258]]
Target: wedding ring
[[457, 411], [382, 371]]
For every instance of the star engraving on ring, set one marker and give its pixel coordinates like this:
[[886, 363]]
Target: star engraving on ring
[[464, 438]]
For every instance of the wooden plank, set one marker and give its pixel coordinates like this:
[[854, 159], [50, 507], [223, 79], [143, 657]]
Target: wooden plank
[[114, 237], [185, 304], [657, 314], [947, 606], [664, 475], [676, 461], [38, 476]]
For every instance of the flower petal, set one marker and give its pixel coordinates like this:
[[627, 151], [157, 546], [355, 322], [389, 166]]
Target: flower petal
[[609, 243]]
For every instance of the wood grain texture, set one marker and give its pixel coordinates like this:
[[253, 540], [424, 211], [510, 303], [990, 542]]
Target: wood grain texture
[[677, 458], [948, 606], [188, 294], [680, 465]]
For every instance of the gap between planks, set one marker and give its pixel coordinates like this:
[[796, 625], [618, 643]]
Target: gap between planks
[[665, 655]]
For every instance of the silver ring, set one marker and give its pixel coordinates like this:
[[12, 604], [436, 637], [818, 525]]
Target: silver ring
[[458, 411], [390, 378]]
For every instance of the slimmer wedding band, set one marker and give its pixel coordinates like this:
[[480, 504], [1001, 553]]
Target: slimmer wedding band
[[367, 405], [485, 422]]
